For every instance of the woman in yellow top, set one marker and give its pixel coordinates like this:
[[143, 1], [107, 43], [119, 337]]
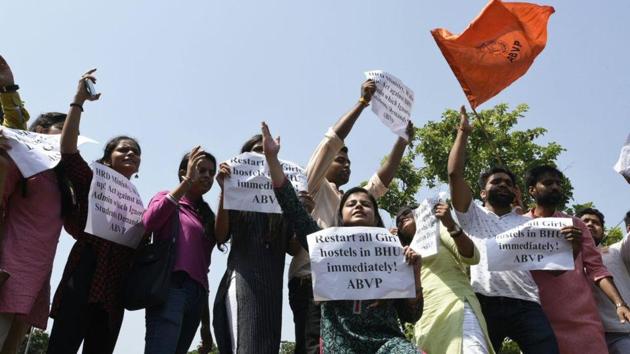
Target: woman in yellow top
[[452, 321]]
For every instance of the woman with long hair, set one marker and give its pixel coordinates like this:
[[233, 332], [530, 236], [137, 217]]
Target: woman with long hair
[[349, 326], [248, 305], [452, 320], [171, 326], [87, 307]]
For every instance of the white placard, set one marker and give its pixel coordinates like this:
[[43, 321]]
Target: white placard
[[34, 153], [623, 164], [249, 187], [114, 208], [535, 245], [392, 101], [426, 240], [359, 263]]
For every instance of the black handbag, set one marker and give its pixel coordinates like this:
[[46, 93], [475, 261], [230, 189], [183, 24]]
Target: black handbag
[[149, 279]]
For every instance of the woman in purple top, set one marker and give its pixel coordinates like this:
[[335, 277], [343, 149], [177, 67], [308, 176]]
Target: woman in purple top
[[171, 326]]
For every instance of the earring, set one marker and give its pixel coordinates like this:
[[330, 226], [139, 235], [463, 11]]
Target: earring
[[137, 174]]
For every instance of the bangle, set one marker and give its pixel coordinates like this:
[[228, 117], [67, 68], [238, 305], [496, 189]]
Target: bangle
[[364, 102], [77, 105], [456, 232], [620, 304], [172, 199], [187, 180]]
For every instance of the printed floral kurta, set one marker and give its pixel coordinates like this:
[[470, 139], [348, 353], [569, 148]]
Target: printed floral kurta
[[343, 329]]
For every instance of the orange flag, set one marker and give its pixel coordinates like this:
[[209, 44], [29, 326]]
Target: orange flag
[[496, 49]]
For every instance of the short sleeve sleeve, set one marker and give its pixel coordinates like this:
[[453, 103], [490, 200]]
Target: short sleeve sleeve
[[376, 187]]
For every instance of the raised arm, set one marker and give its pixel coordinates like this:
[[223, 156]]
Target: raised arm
[[271, 147], [460, 191], [292, 208], [191, 174], [465, 246], [70, 132], [163, 205], [222, 222], [15, 115], [387, 172], [294, 246], [325, 153], [344, 125]]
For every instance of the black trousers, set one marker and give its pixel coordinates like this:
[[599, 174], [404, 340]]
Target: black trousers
[[522, 321], [77, 321], [306, 315]]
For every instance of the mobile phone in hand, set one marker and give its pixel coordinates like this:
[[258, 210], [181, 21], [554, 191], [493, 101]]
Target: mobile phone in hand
[[89, 87]]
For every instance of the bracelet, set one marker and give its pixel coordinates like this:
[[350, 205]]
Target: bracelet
[[9, 88], [77, 105], [364, 102], [620, 304]]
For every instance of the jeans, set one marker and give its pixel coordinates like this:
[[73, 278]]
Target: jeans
[[171, 327], [306, 315], [523, 321], [618, 343]]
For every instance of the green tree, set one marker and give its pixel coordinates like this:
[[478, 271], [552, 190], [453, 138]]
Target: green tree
[[494, 141], [214, 350], [287, 347], [38, 342], [613, 235], [576, 208], [510, 347], [408, 330]]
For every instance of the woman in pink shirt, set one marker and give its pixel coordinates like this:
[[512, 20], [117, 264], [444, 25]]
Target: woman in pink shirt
[[32, 211], [31, 217], [171, 326]]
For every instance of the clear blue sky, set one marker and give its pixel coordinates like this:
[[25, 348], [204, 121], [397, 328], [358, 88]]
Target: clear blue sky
[[177, 74]]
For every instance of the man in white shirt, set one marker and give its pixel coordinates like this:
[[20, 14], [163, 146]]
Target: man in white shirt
[[616, 258], [509, 299]]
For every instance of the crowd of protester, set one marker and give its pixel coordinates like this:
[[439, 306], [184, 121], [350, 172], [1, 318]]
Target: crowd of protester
[[459, 306]]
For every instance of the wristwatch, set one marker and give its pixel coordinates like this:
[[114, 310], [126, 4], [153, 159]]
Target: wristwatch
[[9, 88], [456, 232]]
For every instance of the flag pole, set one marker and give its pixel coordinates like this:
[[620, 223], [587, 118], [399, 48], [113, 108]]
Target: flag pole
[[485, 133]]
